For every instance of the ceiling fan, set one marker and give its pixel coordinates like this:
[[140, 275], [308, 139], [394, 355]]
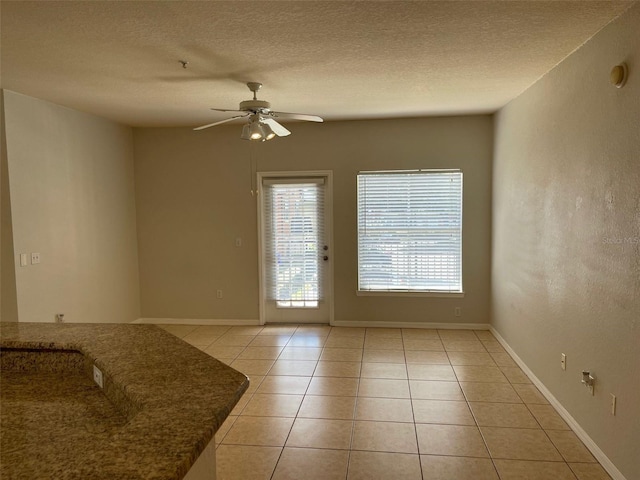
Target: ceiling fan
[[262, 124]]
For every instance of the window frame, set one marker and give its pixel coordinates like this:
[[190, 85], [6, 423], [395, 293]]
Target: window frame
[[408, 292]]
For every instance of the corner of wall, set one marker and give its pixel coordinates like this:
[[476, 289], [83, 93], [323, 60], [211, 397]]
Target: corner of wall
[[8, 295]]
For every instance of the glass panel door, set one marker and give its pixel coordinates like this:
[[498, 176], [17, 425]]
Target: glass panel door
[[295, 250]]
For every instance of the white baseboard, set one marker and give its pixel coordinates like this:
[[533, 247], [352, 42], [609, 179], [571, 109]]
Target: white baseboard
[[450, 326], [575, 426], [335, 323], [197, 321]]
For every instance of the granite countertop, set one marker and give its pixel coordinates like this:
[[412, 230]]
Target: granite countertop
[[169, 399]]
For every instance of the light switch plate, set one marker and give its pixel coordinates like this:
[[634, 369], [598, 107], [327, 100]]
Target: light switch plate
[[614, 401]]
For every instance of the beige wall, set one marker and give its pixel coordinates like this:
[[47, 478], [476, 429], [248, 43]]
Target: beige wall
[[193, 200], [72, 201], [8, 300], [566, 185]]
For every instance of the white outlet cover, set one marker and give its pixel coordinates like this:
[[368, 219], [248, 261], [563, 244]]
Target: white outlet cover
[[97, 376]]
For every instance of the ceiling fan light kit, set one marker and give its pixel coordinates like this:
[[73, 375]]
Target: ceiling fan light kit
[[255, 131], [268, 132], [262, 124], [246, 132]]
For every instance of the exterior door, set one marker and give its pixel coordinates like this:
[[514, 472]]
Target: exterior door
[[295, 251]]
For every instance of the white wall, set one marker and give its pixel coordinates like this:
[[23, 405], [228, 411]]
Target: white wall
[[193, 199], [72, 200], [566, 235]]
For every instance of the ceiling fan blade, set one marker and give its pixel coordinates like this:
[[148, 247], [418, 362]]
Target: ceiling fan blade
[[297, 116], [220, 122], [228, 111], [276, 127]]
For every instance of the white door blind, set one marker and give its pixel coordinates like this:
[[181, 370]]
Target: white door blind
[[294, 239], [410, 231]]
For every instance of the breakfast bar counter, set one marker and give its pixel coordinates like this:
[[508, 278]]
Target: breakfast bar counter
[[161, 402]]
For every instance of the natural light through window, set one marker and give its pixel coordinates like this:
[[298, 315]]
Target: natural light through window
[[410, 231], [294, 239]]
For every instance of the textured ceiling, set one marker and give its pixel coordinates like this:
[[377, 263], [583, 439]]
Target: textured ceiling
[[337, 59]]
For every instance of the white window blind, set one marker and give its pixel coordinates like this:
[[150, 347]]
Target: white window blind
[[410, 231], [294, 237]]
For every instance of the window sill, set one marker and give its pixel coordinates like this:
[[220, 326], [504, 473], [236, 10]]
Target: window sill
[[385, 293]]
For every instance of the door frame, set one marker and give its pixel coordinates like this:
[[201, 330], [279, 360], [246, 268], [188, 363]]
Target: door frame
[[328, 209]]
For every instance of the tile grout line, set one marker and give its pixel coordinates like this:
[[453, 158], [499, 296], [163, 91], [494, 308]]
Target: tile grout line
[[413, 414], [486, 445], [475, 419], [355, 409]]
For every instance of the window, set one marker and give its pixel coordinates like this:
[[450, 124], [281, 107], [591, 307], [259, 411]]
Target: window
[[410, 231]]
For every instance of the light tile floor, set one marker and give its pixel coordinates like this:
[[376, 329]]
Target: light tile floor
[[376, 403]]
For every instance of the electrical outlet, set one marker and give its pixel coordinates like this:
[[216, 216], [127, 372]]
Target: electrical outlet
[[97, 376], [35, 258], [219, 293], [59, 317], [613, 404], [457, 311], [589, 381], [238, 242], [563, 361]]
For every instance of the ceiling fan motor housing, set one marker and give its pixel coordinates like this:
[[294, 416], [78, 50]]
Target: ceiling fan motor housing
[[255, 105]]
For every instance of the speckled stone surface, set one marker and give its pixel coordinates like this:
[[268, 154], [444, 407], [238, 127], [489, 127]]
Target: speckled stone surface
[[162, 404]]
